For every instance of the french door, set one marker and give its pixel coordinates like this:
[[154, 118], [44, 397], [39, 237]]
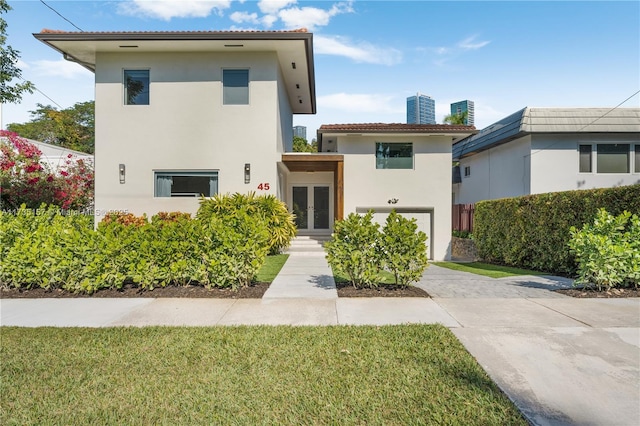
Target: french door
[[312, 206]]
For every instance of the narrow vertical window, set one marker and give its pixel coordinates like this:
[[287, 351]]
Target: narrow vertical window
[[136, 87], [235, 87], [467, 171], [585, 158], [636, 168]]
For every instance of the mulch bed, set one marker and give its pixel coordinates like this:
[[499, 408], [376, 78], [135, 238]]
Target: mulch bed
[[383, 290], [594, 293], [254, 291]]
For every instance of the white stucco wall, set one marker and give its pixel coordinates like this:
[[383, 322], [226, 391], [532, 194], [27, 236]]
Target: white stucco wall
[[499, 172], [555, 162], [186, 127], [426, 186]]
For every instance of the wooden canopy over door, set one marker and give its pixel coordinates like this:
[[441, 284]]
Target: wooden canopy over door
[[322, 163]]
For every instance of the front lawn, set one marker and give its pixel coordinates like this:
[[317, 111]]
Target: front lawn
[[271, 268], [488, 270], [411, 374]]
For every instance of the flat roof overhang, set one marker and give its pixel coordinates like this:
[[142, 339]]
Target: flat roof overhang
[[308, 162], [293, 48]]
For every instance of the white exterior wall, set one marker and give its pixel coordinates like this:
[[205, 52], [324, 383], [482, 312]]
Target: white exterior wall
[[428, 185], [503, 171], [186, 127], [555, 163]]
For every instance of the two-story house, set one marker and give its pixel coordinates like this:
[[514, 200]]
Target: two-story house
[[180, 114]]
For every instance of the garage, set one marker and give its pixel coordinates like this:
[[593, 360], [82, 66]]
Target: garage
[[423, 216]]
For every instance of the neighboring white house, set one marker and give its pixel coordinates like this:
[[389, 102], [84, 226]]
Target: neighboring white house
[[539, 150], [179, 114], [55, 156]]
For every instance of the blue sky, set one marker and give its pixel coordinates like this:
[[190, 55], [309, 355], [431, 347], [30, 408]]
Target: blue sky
[[371, 55]]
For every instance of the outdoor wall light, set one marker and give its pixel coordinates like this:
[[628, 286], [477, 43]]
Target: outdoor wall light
[[247, 173], [293, 65], [121, 172]]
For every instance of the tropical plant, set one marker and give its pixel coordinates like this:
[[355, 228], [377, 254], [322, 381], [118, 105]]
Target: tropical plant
[[457, 119], [608, 251], [355, 249], [10, 93], [267, 208], [404, 249]]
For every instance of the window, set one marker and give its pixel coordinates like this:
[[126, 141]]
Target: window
[[636, 169], [467, 171], [136, 87], [613, 158], [186, 184], [393, 155], [235, 87], [585, 158]]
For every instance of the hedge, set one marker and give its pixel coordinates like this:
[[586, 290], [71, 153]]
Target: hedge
[[532, 231]]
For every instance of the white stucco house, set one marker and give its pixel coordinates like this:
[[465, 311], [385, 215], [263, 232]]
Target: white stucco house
[[179, 114], [539, 150]]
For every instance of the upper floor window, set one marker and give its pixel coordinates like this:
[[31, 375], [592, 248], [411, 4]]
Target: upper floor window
[[186, 184], [235, 87], [467, 171], [613, 158], [394, 155], [136, 87]]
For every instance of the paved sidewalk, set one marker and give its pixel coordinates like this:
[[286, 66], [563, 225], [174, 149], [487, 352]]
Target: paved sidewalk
[[563, 361]]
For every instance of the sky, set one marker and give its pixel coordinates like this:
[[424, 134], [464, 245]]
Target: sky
[[371, 55]]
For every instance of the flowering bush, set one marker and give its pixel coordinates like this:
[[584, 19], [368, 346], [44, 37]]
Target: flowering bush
[[25, 179]]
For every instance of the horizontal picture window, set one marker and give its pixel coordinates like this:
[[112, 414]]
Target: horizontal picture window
[[186, 184], [394, 155]]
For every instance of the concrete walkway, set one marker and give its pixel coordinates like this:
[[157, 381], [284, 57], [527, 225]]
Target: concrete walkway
[[561, 360]]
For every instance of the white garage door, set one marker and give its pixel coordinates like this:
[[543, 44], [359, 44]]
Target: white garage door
[[423, 220]]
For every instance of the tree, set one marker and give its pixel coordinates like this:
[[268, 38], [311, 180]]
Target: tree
[[72, 128], [458, 119], [8, 70], [301, 145]]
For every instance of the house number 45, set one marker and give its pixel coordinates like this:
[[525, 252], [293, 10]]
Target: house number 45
[[264, 186]]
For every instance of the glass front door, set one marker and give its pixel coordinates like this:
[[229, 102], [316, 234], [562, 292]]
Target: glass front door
[[312, 207]]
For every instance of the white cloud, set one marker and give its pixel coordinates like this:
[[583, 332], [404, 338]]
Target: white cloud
[[60, 68], [241, 17], [268, 20], [271, 7], [358, 52], [173, 9], [359, 103], [311, 17], [22, 64], [470, 43]]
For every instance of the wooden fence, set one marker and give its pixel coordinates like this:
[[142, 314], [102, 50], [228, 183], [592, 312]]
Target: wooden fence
[[462, 217]]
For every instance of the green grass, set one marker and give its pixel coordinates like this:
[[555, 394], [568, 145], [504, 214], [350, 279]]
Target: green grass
[[488, 270], [271, 268], [396, 375]]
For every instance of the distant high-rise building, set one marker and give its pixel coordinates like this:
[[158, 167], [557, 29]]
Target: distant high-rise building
[[300, 131], [462, 106], [421, 109]]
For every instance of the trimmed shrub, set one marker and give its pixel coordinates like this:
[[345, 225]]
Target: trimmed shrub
[[235, 246], [404, 249], [355, 249], [532, 232], [273, 212], [608, 251], [43, 248]]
